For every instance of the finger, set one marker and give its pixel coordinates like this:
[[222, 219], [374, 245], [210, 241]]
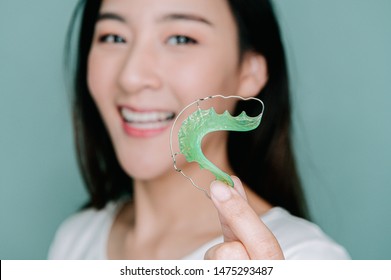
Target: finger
[[227, 251], [239, 187], [227, 232], [240, 223]]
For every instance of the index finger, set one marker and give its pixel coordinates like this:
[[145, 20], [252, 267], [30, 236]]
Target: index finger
[[239, 222]]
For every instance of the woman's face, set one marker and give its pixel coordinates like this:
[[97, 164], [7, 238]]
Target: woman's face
[[149, 59]]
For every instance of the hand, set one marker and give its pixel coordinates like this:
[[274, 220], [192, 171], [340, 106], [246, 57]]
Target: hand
[[245, 235]]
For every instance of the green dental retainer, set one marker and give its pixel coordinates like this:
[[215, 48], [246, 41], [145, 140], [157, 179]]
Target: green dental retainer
[[200, 123]]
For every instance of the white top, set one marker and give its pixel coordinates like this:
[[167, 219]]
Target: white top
[[85, 236]]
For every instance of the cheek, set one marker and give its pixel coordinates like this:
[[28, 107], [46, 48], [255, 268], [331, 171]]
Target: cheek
[[99, 85], [206, 75], [94, 76], [102, 71]]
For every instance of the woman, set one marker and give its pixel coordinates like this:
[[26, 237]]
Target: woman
[[140, 63]]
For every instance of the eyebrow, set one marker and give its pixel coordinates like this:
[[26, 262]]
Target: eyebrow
[[165, 18], [184, 16], [110, 16]]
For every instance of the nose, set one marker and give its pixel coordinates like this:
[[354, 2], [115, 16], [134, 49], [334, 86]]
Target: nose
[[140, 71]]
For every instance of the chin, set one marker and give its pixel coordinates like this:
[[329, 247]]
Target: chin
[[147, 172]]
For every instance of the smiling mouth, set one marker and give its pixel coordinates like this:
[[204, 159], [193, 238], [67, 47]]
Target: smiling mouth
[[146, 120]]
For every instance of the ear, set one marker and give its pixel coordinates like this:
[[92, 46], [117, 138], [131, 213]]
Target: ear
[[253, 74]]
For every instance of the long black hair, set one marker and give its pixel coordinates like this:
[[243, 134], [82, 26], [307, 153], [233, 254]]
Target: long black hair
[[262, 158]]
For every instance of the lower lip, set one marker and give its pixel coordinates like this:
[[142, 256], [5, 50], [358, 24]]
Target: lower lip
[[142, 133]]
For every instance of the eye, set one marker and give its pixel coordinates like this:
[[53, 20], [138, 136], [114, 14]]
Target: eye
[[180, 40], [112, 38]]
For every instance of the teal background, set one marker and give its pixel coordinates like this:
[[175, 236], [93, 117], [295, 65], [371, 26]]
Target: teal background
[[340, 62]]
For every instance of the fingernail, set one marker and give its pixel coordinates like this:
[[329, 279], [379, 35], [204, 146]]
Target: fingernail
[[220, 191]]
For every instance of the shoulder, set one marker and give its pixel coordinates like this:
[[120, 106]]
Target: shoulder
[[84, 234], [301, 239]]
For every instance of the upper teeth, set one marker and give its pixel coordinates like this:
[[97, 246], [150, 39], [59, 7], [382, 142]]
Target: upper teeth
[[132, 116]]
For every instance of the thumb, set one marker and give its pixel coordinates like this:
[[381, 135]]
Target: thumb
[[240, 223], [221, 195]]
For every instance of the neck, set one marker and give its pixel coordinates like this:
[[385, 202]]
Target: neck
[[171, 204]]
